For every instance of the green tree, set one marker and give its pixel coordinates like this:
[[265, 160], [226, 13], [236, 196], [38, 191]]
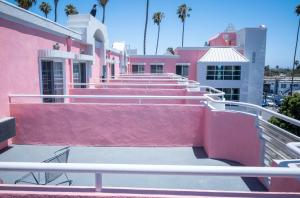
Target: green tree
[[183, 12], [25, 4], [45, 8], [157, 18], [55, 10], [290, 107], [103, 5], [70, 10], [146, 25]]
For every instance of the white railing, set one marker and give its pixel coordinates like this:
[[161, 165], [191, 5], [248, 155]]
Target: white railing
[[122, 84], [257, 108], [99, 169], [113, 97]]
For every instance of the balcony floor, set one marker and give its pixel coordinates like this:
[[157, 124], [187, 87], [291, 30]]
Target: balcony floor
[[134, 155]]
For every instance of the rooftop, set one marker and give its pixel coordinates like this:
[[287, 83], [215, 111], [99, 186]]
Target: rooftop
[[224, 54]]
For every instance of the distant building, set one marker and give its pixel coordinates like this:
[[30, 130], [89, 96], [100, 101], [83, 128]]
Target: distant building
[[280, 85]]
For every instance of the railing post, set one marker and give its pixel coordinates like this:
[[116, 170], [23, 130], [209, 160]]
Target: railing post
[[98, 182]]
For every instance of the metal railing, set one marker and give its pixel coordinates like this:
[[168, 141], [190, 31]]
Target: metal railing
[[99, 169]]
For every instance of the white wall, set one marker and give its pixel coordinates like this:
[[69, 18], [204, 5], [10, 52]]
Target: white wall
[[241, 84], [254, 40]]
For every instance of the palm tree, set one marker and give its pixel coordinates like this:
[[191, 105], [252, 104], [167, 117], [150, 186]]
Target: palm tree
[[55, 10], [157, 18], [183, 13], [26, 4], [70, 10], [297, 10], [103, 4], [146, 24], [45, 8]]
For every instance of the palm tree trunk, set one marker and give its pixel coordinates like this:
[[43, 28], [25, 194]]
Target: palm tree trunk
[[182, 37], [292, 84], [46, 15], [103, 16], [55, 10], [146, 24], [158, 32]]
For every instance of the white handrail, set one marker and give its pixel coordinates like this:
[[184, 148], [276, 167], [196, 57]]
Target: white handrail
[[129, 84], [109, 96], [152, 169], [99, 169], [259, 109]]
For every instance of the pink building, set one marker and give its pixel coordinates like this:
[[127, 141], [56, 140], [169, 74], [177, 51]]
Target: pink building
[[74, 111]]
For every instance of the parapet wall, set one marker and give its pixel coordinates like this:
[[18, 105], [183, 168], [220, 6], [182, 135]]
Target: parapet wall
[[109, 125]]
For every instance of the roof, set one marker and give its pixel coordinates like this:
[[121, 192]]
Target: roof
[[218, 54]]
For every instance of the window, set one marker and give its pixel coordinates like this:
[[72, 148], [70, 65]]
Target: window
[[232, 94], [52, 80], [79, 74], [156, 69], [223, 72], [182, 70], [253, 57], [138, 69], [283, 86]]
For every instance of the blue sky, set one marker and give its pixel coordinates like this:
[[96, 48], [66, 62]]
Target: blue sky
[[125, 22]]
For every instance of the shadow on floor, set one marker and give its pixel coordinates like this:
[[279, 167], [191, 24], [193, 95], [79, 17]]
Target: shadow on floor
[[199, 152], [253, 183]]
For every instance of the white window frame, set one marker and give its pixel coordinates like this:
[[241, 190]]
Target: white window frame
[[63, 61]]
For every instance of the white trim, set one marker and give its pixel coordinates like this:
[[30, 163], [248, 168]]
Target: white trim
[[157, 64], [11, 12], [185, 64], [84, 57], [50, 53], [135, 63]]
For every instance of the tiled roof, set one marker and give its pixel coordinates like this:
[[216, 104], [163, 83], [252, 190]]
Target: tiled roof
[[218, 54]]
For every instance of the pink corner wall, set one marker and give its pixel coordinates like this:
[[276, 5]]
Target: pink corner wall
[[108, 125], [192, 57], [224, 39], [19, 61], [232, 136], [281, 184]]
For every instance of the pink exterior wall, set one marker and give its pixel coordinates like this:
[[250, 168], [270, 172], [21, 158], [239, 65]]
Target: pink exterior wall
[[190, 56], [19, 61], [108, 125], [224, 39], [284, 184], [168, 67], [134, 91], [232, 136]]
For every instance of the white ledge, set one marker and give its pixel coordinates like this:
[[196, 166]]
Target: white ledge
[[49, 53]]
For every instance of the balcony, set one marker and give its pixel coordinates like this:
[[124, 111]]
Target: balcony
[[154, 140]]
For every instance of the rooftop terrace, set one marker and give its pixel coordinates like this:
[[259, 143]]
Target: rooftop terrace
[[160, 134]]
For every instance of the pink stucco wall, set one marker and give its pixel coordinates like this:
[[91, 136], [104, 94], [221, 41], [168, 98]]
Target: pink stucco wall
[[281, 184], [135, 91], [168, 67], [232, 136], [19, 61], [108, 125], [224, 39], [192, 57]]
